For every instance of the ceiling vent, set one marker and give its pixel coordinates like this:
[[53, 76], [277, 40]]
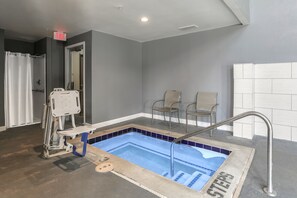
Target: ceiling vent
[[188, 27]]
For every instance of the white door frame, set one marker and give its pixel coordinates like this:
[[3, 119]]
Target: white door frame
[[67, 66], [45, 83]]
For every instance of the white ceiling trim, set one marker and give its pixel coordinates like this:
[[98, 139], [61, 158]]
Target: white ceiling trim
[[238, 11]]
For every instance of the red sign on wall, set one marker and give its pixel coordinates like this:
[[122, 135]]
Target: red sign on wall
[[60, 36]]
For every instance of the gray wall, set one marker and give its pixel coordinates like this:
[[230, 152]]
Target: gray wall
[[40, 46], [2, 118], [116, 77], [18, 46], [203, 61], [113, 76], [87, 38], [54, 51], [57, 64]]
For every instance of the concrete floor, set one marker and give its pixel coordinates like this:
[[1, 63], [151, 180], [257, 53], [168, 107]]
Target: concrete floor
[[24, 174]]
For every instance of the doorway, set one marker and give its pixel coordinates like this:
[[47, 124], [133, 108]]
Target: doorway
[[75, 75], [38, 86]]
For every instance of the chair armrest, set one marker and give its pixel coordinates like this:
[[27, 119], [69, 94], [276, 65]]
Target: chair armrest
[[171, 106], [193, 103], [213, 108], [157, 102]]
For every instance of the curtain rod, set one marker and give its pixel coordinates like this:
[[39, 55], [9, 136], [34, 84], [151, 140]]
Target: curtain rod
[[35, 56], [22, 54]]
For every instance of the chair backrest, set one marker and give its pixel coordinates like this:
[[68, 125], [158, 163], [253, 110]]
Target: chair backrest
[[64, 103], [205, 100], [170, 97]]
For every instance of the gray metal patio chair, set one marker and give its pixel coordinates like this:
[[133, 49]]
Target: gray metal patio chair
[[205, 106], [170, 104]]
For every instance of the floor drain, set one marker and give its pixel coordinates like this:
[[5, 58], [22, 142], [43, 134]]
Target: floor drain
[[104, 167]]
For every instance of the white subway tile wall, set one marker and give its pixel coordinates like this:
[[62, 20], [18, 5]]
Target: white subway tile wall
[[238, 71], [260, 128], [294, 70], [248, 101], [248, 131], [275, 70], [282, 132], [237, 129], [294, 102], [243, 86], [246, 120], [294, 134], [275, 101], [248, 70], [238, 100], [263, 85], [270, 89], [266, 111], [244, 99], [284, 117], [284, 86]]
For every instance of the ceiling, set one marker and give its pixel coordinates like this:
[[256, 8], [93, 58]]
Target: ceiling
[[34, 19]]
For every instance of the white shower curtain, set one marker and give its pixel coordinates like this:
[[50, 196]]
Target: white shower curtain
[[18, 89]]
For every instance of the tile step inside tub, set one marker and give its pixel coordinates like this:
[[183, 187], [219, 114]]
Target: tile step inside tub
[[194, 181], [181, 177]]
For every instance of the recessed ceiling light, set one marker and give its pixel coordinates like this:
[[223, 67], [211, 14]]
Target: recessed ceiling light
[[144, 19]]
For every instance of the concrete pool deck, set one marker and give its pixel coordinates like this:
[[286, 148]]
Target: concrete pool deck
[[24, 174], [235, 166]]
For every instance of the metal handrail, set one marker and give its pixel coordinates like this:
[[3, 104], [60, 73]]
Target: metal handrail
[[269, 189]]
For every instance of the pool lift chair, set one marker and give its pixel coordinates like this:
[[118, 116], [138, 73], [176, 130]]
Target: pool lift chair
[[205, 106], [170, 104], [61, 104]]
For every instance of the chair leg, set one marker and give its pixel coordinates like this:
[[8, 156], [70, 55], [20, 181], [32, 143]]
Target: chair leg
[[186, 122], [169, 120], [215, 118], [210, 118], [196, 121], [152, 116]]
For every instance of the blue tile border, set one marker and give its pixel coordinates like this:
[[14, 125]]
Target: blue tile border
[[158, 136], [194, 180], [179, 176]]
